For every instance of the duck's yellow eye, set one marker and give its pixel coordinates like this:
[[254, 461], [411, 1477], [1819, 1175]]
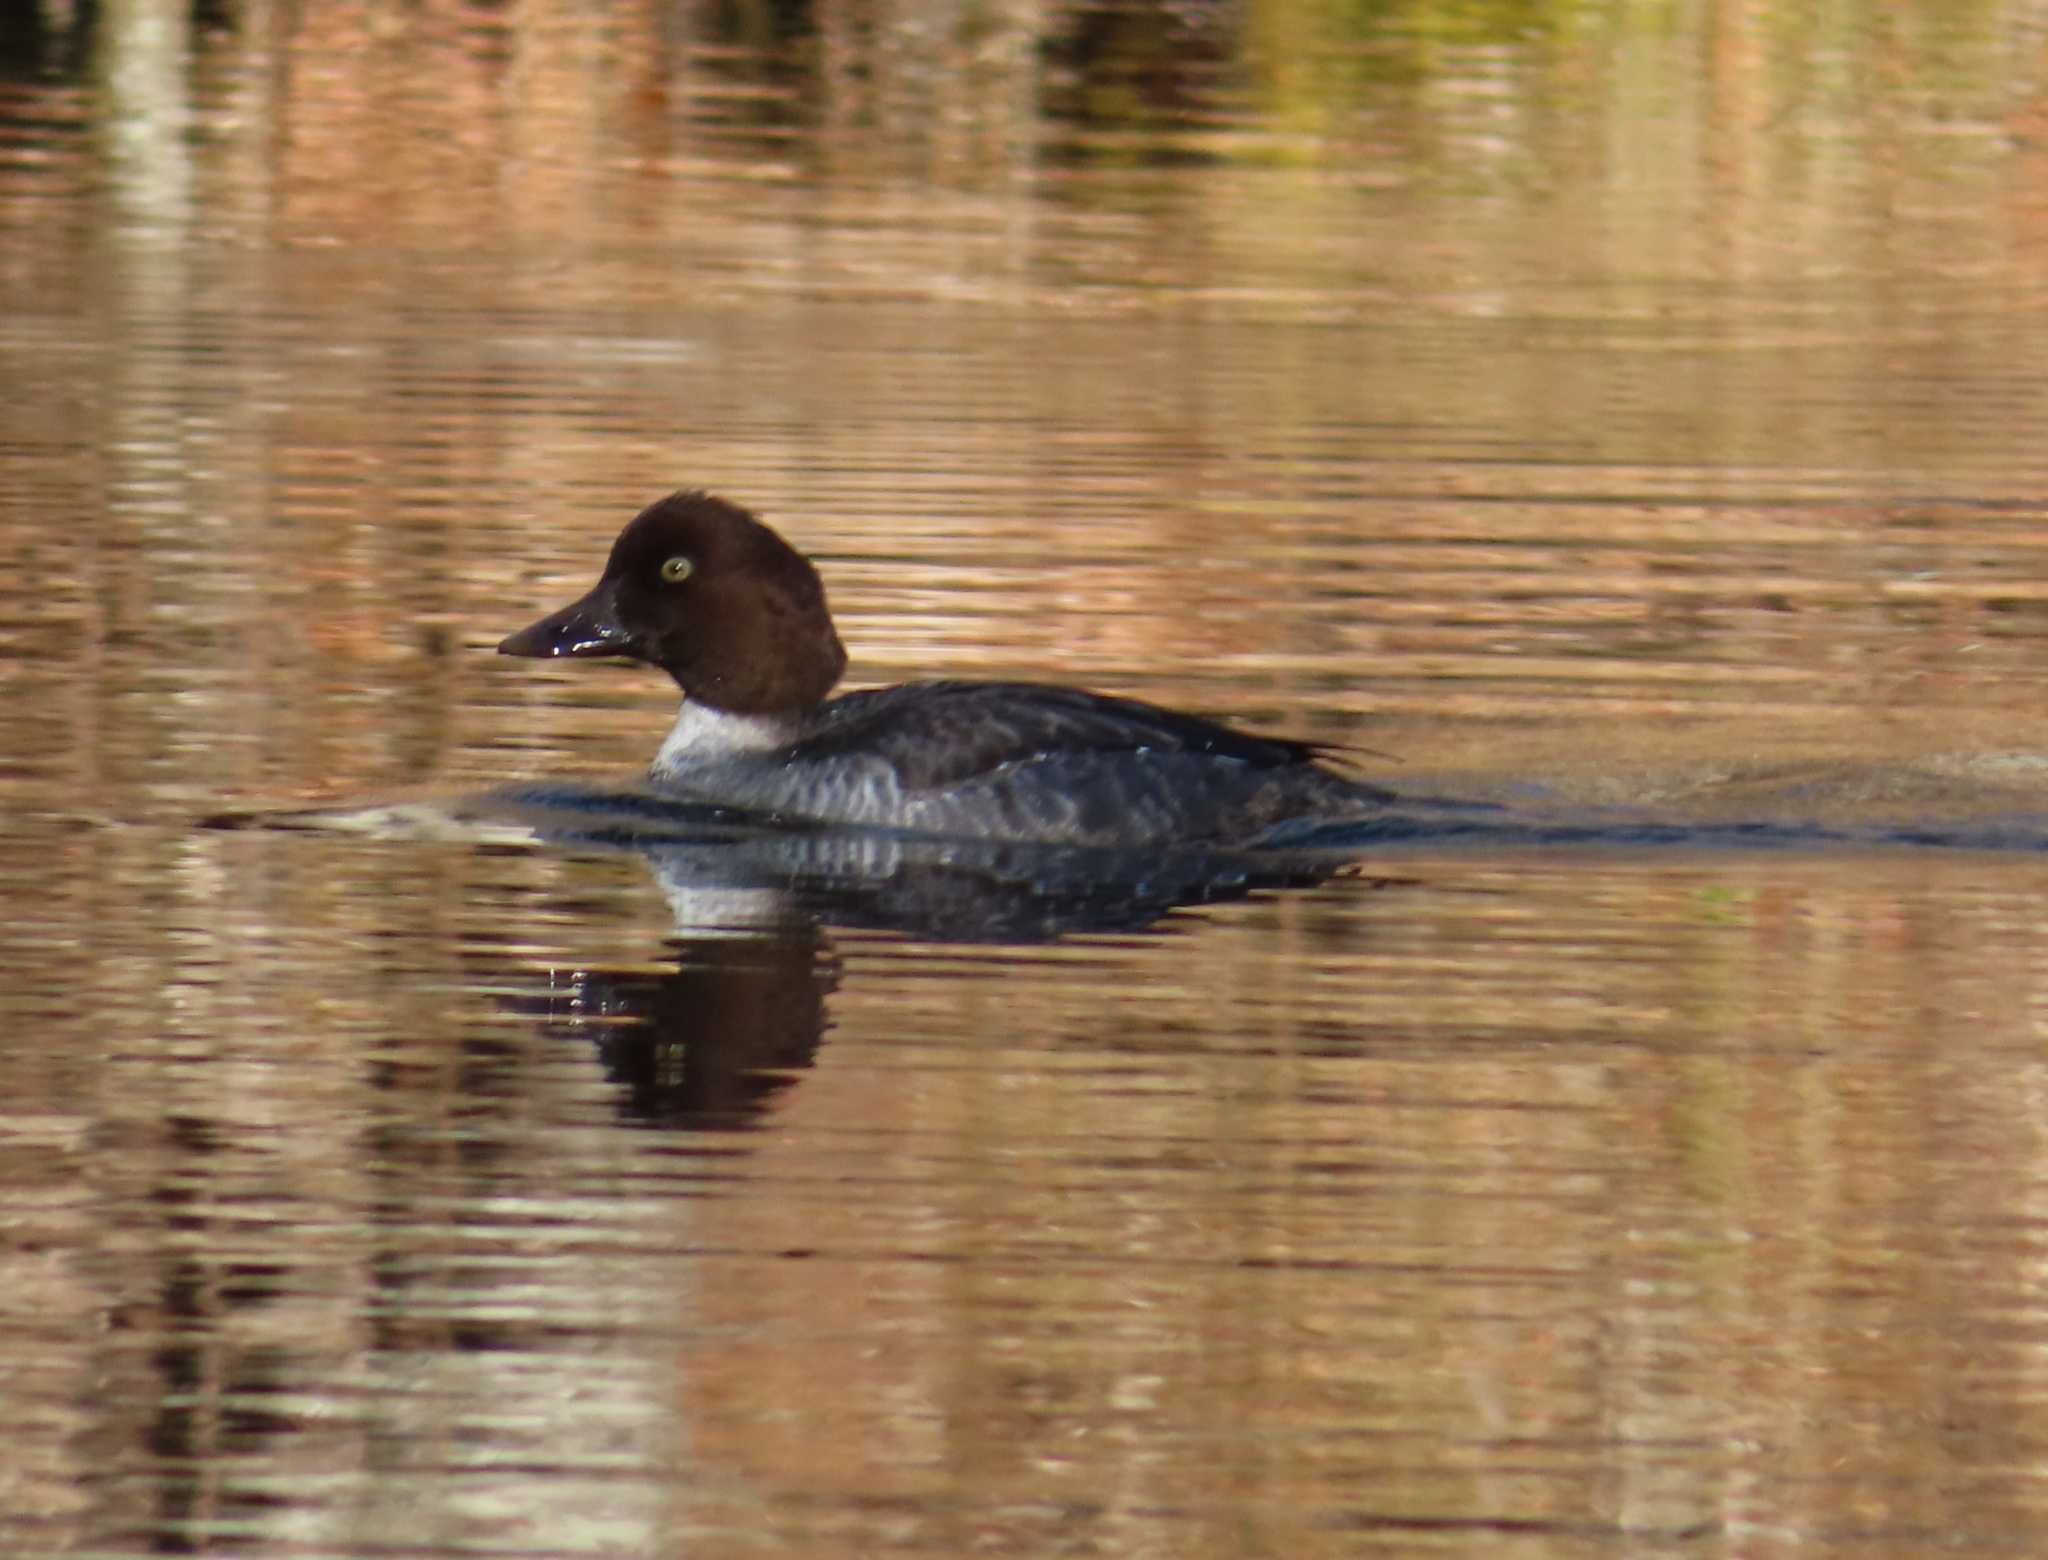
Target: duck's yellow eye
[[677, 569]]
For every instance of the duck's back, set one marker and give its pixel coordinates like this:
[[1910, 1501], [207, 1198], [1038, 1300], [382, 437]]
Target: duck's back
[[1035, 762]]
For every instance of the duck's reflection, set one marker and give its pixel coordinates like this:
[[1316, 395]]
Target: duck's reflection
[[710, 1044]]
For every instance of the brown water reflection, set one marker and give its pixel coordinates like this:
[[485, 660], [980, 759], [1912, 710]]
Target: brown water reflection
[[1577, 402]]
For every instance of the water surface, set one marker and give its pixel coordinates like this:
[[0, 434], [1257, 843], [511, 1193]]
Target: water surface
[[1608, 414]]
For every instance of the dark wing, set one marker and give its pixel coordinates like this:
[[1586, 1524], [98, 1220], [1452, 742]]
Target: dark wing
[[938, 734]]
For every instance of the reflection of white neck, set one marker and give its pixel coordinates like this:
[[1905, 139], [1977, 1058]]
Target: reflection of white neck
[[704, 735], [702, 907]]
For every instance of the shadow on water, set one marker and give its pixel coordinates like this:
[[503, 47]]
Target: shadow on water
[[726, 873], [711, 1044]]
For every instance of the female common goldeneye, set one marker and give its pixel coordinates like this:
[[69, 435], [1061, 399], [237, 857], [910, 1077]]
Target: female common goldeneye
[[700, 588]]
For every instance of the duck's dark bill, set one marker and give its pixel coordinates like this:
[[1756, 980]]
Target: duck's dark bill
[[586, 627]]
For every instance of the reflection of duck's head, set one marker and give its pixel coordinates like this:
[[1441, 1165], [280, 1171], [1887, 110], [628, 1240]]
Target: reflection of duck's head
[[737, 617], [711, 1042], [716, 599]]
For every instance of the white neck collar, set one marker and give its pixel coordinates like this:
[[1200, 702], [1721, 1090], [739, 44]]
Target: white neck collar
[[703, 734]]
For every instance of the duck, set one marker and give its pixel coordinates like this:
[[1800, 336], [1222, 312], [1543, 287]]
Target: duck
[[699, 587]]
